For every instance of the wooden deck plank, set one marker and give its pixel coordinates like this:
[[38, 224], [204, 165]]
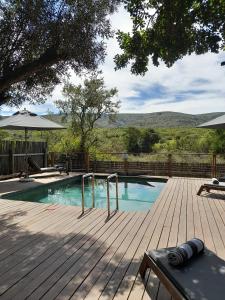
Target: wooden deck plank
[[62, 253], [180, 190], [220, 226], [38, 225], [118, 275], [173, 237], [82, 266], [12, 211], [10, 215], [74, 283], [219, 246], [190, 214], [198, 230], [128, 276], [182, 232], [33, 222], [106, 265], [207, 233], [164, 239], [152, 243], [62, 276], [35, 241], [158, 288], [152, 283], [58, 254], [51, 244]]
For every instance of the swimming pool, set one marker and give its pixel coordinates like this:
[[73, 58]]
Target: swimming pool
[[135, 194]]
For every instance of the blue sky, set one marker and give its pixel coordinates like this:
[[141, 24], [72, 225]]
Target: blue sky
[[195, 84]]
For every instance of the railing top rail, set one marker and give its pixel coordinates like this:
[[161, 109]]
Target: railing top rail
[[156, 153], [112, 175], [88, 175]]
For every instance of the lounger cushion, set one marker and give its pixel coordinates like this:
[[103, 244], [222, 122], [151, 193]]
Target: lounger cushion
[[202, 278], [48, 169]]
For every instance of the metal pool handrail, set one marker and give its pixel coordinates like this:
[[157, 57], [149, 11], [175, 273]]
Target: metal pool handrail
[[92, 175], [108, 196]]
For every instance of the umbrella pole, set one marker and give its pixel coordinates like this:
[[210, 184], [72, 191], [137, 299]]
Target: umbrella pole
[[26, 178]]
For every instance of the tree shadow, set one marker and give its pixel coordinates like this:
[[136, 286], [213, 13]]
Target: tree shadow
[[45, 259], [14, 185]]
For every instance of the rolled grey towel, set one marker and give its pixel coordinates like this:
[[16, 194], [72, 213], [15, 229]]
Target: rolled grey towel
[[215, 181], [181, 254]]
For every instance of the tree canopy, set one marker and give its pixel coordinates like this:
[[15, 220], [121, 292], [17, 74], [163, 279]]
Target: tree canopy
[[41, 40], [167, 30], [85, 105], [140, 140]]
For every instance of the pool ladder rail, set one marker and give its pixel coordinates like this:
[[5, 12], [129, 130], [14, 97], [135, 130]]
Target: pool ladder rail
[[92, 175], [108, 194]]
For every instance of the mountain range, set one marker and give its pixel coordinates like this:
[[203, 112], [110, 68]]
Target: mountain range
[[166, 119]]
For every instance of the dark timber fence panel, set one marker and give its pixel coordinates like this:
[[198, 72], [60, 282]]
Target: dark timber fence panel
[[12, 155], [153, 168], [161, 164], [12, 160]]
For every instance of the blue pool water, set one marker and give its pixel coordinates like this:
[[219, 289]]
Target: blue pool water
[[134, 195]]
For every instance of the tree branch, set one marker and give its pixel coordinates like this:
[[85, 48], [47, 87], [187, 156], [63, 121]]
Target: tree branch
[[49, 58]]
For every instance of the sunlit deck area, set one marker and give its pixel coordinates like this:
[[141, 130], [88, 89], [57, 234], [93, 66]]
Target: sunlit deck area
[[52, 252]]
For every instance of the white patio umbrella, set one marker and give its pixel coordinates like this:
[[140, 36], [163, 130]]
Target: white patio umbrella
[[26, 120], [217, 123]]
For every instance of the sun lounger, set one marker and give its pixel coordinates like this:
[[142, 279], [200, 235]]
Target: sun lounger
[[203, 277], [34, 166], [209, 186]]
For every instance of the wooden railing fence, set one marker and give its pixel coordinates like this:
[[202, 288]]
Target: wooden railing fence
[[12, 160], [192, 165]]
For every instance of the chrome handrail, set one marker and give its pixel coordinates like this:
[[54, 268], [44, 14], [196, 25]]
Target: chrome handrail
[[92, 175], [108, 196]]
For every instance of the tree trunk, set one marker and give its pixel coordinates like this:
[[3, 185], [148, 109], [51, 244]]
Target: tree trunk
[[82, 144]]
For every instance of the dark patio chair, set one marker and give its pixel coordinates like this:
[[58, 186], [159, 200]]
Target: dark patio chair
[[60, 167]]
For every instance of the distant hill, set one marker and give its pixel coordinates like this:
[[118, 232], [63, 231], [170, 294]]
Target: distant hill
[[164, 119]]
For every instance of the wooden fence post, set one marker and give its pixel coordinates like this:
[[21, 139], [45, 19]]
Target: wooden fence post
[[11, 159], [69, 163], [169, 163], [52, 158], [215, 166], [86, 161], [45, 156], [214, 171], [125, 160]]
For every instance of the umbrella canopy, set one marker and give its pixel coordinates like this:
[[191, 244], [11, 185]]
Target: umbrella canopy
[[218, 123], [29, 121]]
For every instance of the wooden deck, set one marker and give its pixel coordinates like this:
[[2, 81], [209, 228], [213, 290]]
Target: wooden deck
[[51, 252]]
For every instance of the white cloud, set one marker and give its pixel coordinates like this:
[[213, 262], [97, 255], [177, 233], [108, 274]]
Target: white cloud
[[203, 74]]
